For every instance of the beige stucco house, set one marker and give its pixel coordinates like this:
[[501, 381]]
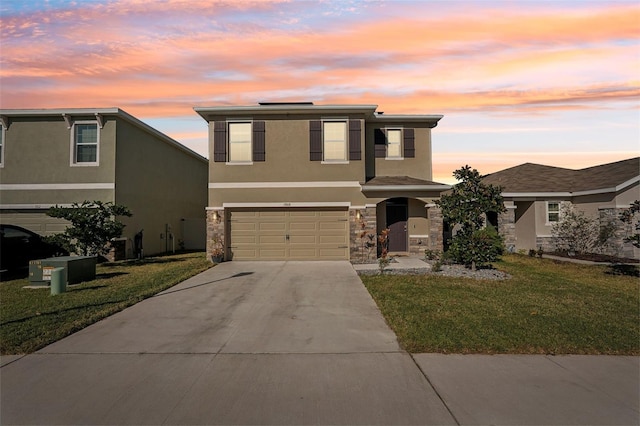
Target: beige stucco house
[[63, 156], [312, 182], [533, 194]]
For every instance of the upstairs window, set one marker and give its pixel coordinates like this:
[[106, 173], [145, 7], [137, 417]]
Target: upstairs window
[[394, 143], [553, 211], [240, 142], [86, 140], [334, 140]]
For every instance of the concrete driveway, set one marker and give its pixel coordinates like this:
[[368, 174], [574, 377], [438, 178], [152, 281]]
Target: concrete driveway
[[242, 343], [294, 343]]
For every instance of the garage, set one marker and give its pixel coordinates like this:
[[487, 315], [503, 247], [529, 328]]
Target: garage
[[289, 234]]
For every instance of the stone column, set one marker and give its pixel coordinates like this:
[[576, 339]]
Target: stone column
[[362, 230], [436, 228], [507, 226], [216, 231]]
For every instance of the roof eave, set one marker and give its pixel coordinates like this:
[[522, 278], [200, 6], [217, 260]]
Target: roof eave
[[382, 188], [207, 112]]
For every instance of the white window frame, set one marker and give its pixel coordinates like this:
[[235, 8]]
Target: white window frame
[[548, 212], [400, 143], [3, 135], [239, 162], [74, 162], [345, 157]]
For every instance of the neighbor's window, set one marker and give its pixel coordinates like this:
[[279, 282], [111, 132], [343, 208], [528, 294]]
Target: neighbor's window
[[240, 142], [394, 143], [85, 143], [553, 211], [335, 140]]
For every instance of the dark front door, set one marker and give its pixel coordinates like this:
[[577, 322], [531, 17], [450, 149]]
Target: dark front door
[[397, 216]]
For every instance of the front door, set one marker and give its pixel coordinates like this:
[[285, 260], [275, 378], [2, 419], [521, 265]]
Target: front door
[[397, 216]]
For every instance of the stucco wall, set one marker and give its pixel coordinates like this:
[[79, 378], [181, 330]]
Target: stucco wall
[[160, 184]]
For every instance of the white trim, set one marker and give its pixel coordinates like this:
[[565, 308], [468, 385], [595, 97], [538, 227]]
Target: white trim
[[31, 206], [418, 236], [334, 162], [605, 190], [430, 205], [406, 187], [219, 209], [394, 158], [287, 204], [547, 221], [54, 186], [536, 194], [72, 161], [239, 163], [264, 185]]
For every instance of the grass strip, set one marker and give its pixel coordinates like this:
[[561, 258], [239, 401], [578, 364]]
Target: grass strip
[[31, 318], [547, 307]]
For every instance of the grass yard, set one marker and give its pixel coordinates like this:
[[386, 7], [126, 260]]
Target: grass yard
[[547, 307], [31, 318]]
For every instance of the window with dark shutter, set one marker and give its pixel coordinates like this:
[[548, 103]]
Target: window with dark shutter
[[259, 148], [380, 143], [355, 140], [220, 142], [315, 140], [409, 143]]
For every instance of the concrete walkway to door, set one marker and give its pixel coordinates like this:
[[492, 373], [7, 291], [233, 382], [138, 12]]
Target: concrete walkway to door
[[293, 343]]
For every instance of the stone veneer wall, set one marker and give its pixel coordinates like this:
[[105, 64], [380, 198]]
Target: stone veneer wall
[[507, 228], [617, 246], [436, 227], [215, 228], [367, 225]]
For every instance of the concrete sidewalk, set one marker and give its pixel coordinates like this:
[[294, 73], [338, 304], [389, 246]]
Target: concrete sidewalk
[[293, 343]]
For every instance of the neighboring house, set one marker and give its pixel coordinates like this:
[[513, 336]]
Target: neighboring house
[[533, 194], [62, 156], [312, 182]]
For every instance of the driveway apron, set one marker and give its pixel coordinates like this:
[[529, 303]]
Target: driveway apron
[[242, 343]]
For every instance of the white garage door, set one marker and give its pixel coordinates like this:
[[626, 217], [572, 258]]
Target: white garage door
[[289, 234]]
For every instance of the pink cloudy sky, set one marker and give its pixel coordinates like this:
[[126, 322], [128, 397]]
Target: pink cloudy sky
[[552, 82]]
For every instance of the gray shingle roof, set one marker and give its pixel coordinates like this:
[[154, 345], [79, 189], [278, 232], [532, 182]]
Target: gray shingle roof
[[531, 177]]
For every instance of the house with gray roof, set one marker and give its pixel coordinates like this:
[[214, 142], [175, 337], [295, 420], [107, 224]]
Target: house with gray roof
[[533, 194]]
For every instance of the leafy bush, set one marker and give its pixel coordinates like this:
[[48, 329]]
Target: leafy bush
[[479, 248], [576, 232]]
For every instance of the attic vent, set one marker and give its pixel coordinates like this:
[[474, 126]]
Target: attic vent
[[284, 103]]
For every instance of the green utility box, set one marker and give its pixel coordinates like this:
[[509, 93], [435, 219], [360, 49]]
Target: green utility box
[[76, 268]]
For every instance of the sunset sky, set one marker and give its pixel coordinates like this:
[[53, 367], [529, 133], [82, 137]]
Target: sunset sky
[[551, 82]]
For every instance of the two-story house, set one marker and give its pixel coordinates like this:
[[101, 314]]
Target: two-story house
[[318, 182], [63, 156]]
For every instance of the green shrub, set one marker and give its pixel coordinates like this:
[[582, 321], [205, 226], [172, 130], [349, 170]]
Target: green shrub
[[478, 248]]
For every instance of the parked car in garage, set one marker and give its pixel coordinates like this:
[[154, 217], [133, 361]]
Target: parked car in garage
[[19, 245]]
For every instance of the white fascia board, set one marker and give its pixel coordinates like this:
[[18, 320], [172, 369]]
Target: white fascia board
[[537, 194], [207, 112], [617, 188], [286, 204], [381, 188], [54, 186], [413, 118], [276, 185]]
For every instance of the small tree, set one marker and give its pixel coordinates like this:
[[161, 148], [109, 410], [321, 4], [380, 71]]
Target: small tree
[[93, 226], [627, 216], [467, 206]]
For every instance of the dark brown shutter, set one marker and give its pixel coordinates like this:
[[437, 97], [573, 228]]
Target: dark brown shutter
[[380, 143], [355, 140], [315, 140], [220, 142], [258, 141], [409, 143]]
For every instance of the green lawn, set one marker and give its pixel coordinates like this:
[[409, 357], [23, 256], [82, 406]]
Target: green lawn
[[546, 307], [32, 318]]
